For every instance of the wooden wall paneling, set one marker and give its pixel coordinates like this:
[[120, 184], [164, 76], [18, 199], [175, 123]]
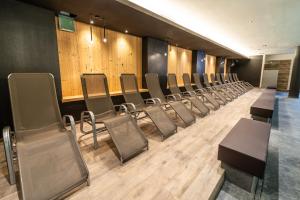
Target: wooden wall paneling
[[210, 65], [225, 64], [79, 54], [69, 59], [283, 67], [283, 75], [179, 62]]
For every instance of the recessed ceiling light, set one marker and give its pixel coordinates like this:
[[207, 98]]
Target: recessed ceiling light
[[165, 54], [91, 21], [126, 31]]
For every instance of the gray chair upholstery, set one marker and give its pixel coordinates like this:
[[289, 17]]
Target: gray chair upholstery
[[194, 101], [248, 85], [206, 96], [228, 89], [168, 101], [46, 150], [235, 86], [125, 133], [227, 93], [217, 95], [136, 104]]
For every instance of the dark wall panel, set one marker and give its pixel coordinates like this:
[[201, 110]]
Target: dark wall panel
[[249, 70], [28, 44], [220, 64], [295, 79], [198, 62], [154, 59]]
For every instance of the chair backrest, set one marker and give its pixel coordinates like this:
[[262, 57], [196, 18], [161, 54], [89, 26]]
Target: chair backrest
[[218, 77], [205, 79], [33, 101], [230, 77], [187, 82], [130, 89], [212, 78], [96, 93], [226, 77], [197, 80], [153, 86], [223, 78], [172, 83], [236, 77]]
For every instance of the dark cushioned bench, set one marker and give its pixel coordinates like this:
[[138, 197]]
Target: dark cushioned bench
[[264, 105], [246, 146]]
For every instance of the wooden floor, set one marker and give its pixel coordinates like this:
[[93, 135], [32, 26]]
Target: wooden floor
[[184, 166]]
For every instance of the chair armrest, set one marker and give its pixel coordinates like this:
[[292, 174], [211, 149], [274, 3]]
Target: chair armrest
[[127, 107], [171, 96], [157, 100], [72, 123], [178, 95], [191, 93], [150, 101], [201, 90], [87, 115], [8, 146], [122, 107]]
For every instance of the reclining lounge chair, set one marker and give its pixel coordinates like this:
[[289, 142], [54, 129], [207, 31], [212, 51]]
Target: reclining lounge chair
[[239, 83], [224, 92], [231, 89], [233, 92], [248, 85], [169, 101], [232, 86], [136, 105], [217, 96], [123, 129], [48, 157], [205, 96], [186, 96], [236, 84]]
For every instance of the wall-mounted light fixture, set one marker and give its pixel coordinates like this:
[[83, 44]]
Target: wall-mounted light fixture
[[91, 27], [126, 31], [104, 35], [165, 54]]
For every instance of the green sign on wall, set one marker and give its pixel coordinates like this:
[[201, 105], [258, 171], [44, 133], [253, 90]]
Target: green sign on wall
[[66, 23]]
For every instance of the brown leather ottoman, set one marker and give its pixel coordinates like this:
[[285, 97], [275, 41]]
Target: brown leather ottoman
[[245, 147], [264, 106]]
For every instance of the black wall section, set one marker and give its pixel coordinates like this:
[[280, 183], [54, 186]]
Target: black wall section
[[198, 62], [249, 70], [154, 60], [220, 64], [28, 44], [295, 79]]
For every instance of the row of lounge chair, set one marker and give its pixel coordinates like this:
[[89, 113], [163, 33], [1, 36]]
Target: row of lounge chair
[[47, 150]]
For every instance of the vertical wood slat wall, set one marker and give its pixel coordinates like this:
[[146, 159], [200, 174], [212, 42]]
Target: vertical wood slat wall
[[210, 65], [179, 62], [78, 54]]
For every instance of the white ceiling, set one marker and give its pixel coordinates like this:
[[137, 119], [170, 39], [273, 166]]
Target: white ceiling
[[249, 27]]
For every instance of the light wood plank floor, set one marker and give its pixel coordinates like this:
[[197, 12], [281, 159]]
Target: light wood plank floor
[[184, 166]]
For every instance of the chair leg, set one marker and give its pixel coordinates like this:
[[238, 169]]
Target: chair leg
[[9, 155], [96, 145]]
